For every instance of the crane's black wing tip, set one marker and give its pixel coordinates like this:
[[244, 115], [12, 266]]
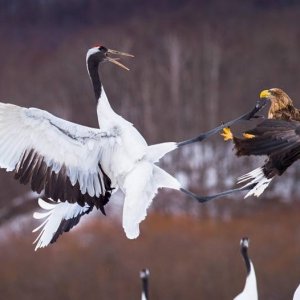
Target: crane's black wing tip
[[67, 225]]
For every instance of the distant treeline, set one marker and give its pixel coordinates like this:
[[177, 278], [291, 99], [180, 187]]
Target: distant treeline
[[197, 63]]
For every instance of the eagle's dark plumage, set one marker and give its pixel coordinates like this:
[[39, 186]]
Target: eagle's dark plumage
[[278, 137]]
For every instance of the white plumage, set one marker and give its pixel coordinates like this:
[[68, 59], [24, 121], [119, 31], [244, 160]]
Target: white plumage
[[79, 167], [128, 161], [59, 142], [250, 288], [55, 213], [258, 178], [297, 294]]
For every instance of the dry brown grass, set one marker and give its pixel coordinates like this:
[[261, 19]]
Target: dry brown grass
[[188, 259]]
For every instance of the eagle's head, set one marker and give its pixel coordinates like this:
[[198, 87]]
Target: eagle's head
[[276, 95]]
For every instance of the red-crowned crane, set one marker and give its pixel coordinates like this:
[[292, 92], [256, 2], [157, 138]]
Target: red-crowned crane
[[250, 289], [78, 167], [297, 294], [144, 275]]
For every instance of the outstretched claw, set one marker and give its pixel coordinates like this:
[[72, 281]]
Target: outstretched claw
[[227, 134]]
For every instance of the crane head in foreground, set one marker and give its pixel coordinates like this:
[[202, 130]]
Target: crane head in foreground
[[77, 168], [100, 54], [144, 275], [250, 289]]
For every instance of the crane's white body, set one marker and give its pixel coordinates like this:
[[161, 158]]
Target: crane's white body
[[70, 160], [250, 289], [120, 149], [297, 294], [128, 161]]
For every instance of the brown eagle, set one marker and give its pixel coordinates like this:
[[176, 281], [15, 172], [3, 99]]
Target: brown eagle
[[278, 137]]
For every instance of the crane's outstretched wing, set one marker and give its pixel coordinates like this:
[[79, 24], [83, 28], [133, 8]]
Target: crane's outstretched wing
[[58, 157]]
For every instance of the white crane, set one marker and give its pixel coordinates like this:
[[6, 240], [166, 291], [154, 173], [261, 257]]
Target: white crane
[[250, 289], [78, 167], [297, 294], [144, 275]]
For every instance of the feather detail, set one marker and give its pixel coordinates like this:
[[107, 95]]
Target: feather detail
[[257, 177], [51, 154], [59, 217]]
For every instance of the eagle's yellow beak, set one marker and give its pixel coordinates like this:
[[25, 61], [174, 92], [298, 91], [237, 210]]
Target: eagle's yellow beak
[[264, 94]]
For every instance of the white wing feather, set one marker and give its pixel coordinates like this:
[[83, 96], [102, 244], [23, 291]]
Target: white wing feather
[[58, 141], [55, 213], [258, 177]]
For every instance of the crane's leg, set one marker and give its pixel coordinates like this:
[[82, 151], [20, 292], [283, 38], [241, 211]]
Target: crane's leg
[[203, 199], [250, 115]]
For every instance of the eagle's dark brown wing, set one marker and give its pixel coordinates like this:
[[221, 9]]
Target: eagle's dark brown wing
[[271, 137], [280, 141]]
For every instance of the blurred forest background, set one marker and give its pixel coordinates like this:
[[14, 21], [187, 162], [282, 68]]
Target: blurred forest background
[[197, 64]]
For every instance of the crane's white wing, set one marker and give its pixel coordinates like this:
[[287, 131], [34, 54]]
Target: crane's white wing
[[59, 217], [60, 157]]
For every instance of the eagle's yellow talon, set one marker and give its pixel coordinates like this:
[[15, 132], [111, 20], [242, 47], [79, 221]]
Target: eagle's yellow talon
[[227, 134], [248, 136]]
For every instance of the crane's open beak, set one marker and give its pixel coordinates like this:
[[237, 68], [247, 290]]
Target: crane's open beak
[[115, 60]]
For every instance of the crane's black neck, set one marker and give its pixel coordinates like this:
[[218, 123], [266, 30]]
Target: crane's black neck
[[145, 286], [244, 251], [92, 65]]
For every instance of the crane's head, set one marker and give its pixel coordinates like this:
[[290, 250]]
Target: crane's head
[[244, 243], [100, 54]]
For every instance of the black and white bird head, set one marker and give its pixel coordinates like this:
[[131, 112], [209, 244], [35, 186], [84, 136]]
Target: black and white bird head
[[250, 289], [101, 54], [144, 275], [244, 243]]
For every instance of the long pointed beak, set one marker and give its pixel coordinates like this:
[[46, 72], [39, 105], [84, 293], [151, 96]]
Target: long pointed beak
[[119, 53], [115, 60]]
